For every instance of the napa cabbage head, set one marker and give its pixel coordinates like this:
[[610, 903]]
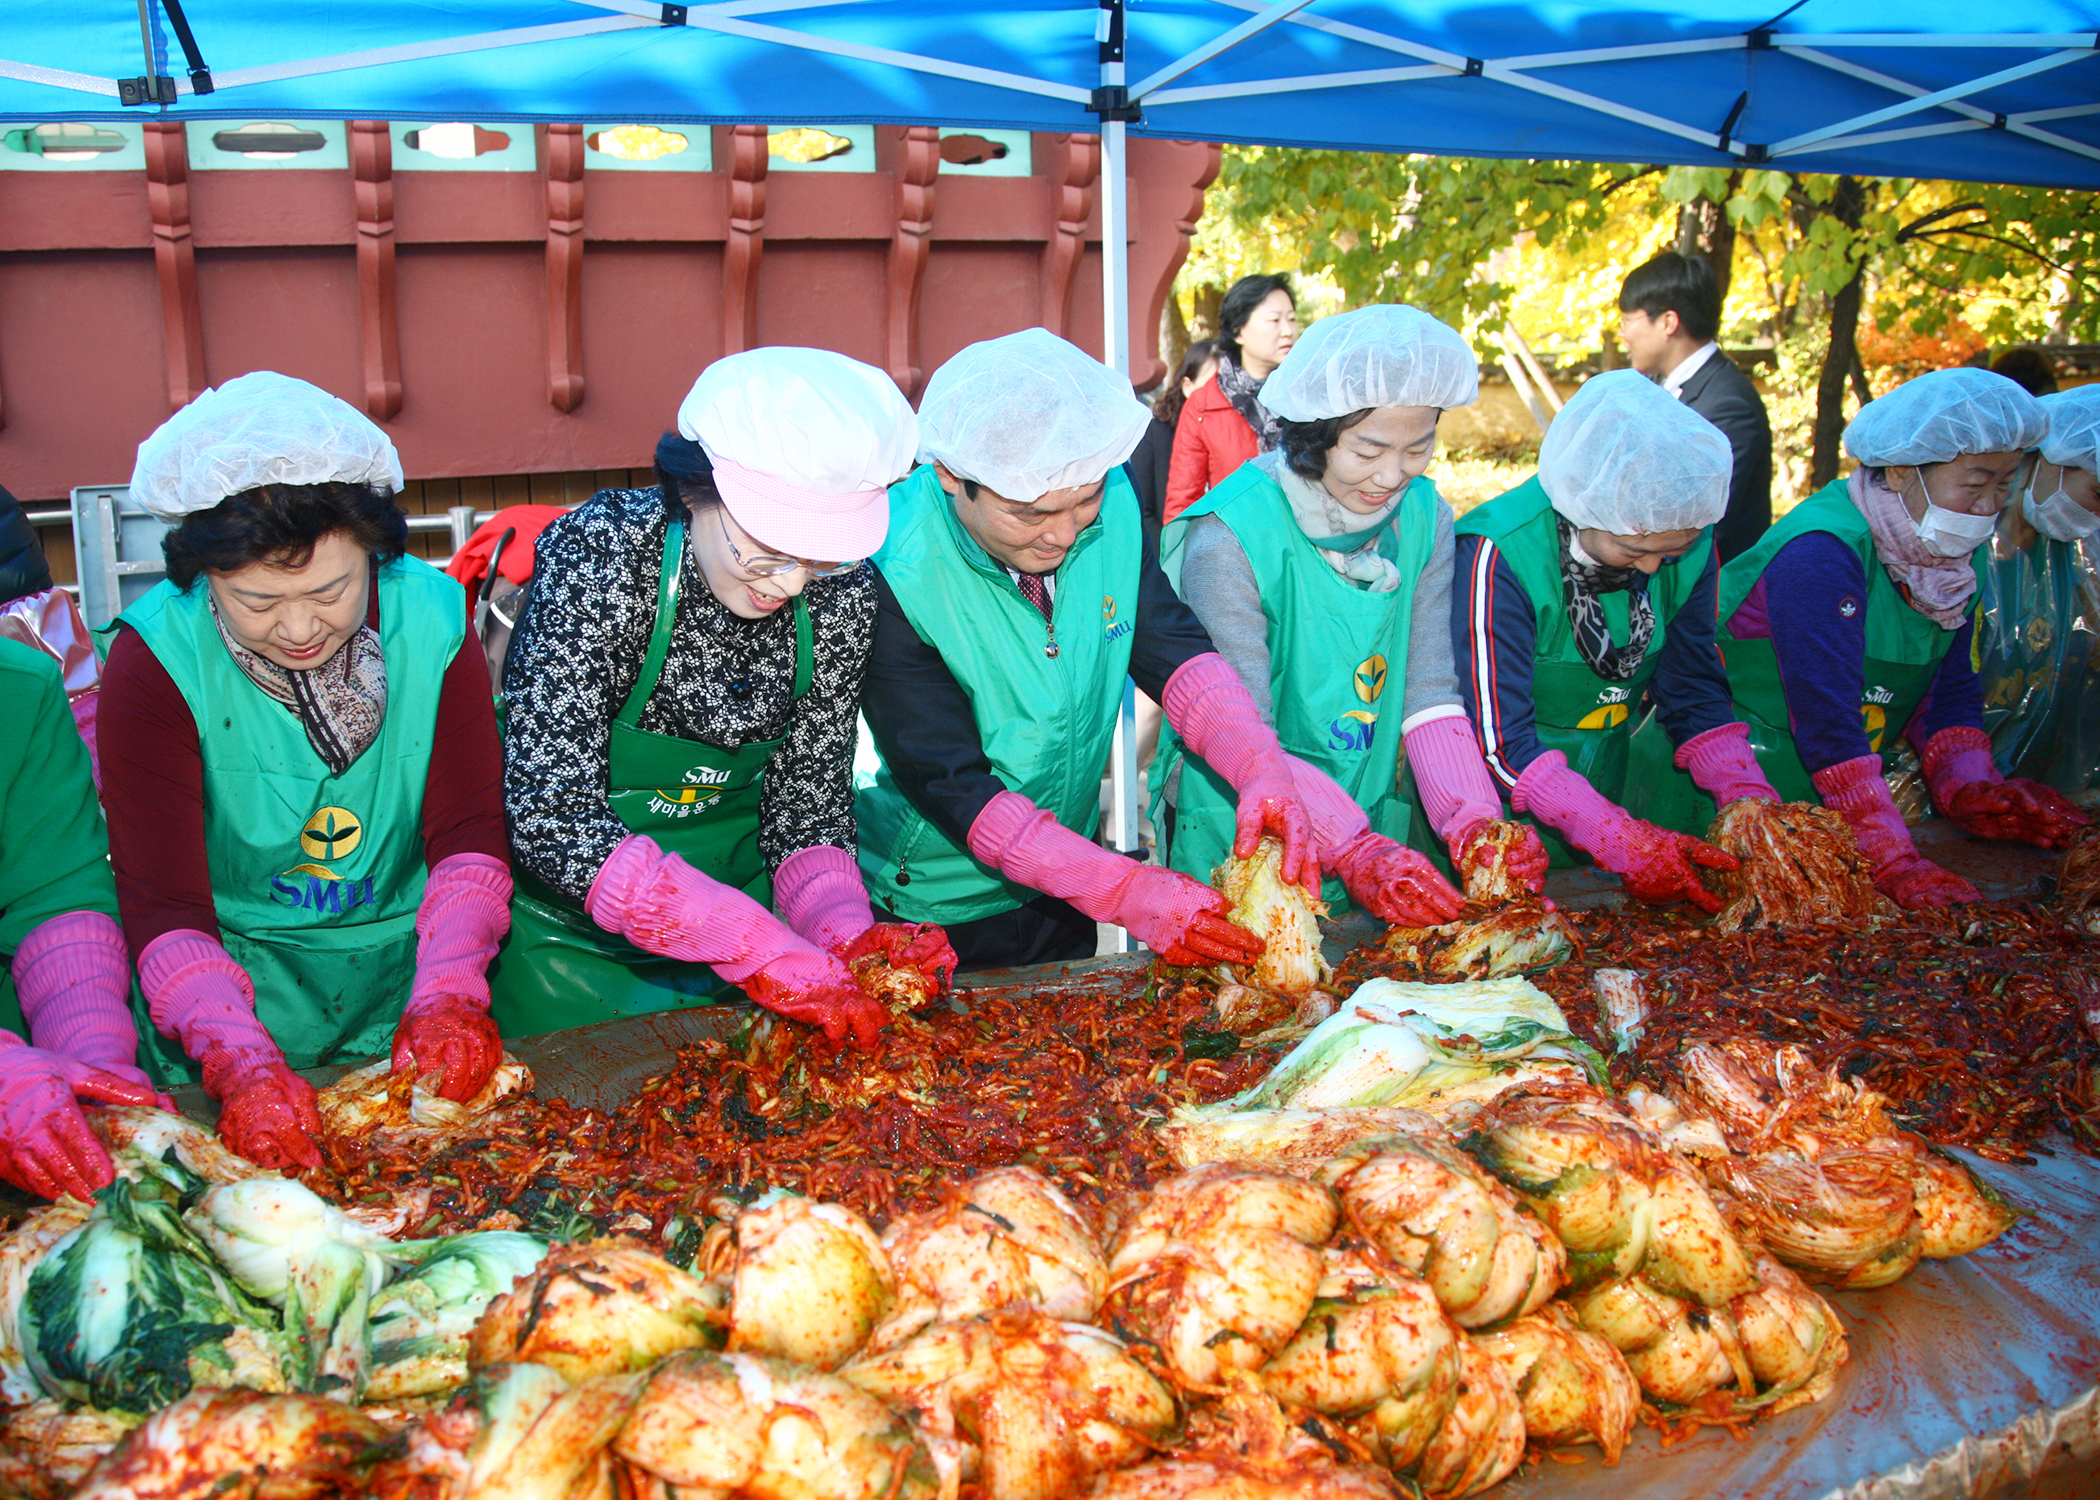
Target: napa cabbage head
[[286, 1245], [419, 1326], [131, 1309]]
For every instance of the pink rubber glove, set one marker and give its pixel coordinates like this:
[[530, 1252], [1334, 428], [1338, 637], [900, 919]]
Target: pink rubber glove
[[197, 994], [1654, 864], [1459, 796], [1384, 877], [73, 978], [1969, 792], [1722, 765], [1179, 918], [445, 1030], [660, 903], [818, 892], [1854, 790], [46, 1145], [1210, 709]]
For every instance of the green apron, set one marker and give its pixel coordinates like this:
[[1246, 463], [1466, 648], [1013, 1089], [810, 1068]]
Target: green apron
[[1333, 646], [316, 877], [1903, 653], [1046, 694], [558, 968], [2040, 673], [1586, 717]]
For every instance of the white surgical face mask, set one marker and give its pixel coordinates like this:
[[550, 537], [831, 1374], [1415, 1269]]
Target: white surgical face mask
[[1952, 533], [2059, 517]]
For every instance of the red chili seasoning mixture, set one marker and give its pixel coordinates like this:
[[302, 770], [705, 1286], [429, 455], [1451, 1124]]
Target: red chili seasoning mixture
[[1063, 1079], [1968, 1022]]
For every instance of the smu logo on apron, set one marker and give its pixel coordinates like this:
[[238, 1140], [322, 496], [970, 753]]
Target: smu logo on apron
[[1354, 729], [310, 886], [1611, 711], [703, 785]]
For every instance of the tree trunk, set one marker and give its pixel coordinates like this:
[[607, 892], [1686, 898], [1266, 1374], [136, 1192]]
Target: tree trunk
[[1704, 229], [1847, 204], [1204, 324], [1173, 334]]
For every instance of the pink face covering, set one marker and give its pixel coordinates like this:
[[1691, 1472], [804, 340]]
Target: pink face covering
[[1939, 588]]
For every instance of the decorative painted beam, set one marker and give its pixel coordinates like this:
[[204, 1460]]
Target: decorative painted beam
[[379, 333], [747, 237], [1075, 173], [564, 171], [175, 257], [918, 167]]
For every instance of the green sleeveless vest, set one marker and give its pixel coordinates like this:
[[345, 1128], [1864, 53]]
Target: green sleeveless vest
[[1334, 650], [316, 876], [1586, 717], [1904, 649], [1046, 720]]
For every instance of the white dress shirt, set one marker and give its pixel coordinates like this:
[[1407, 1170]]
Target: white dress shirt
[[1691, 365]]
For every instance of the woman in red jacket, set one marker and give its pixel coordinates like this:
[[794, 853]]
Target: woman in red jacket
[[1223, 425]]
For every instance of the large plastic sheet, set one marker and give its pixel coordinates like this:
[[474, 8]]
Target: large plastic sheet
[[2037, 656]]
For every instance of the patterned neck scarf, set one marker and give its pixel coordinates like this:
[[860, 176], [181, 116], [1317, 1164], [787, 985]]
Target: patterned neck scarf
[[1939, 588], [1241, 389], [341, 703], [1580, 584]]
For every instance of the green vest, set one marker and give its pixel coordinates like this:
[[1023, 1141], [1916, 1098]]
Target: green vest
[[316, 876], [1904, 648], [1333, 647], [1046, 719], [54, 851], [2040, 673], [1586, 717]]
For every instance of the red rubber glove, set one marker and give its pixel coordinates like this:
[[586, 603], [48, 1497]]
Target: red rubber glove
[[201, 997], [266, 1111], [1211, 710], [1854, 790], [1969, 792], [907, 945], [660, 903], [451, 1040], [1395, 884], [46, 1145], [1655, 864], [1179, 918], [1722, 765]]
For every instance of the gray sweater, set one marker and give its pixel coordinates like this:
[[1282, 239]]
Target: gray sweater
[[1218, 583]]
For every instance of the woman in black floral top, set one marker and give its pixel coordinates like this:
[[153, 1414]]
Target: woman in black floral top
[[682, 692]]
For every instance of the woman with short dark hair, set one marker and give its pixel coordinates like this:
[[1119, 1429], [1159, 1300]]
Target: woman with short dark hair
[[1223, 425], [301, 770]]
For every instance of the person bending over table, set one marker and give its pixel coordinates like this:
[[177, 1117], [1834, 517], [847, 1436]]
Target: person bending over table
[[1323, 573], [682, 691], [1849, 624], [1585, 587], [301, 769]]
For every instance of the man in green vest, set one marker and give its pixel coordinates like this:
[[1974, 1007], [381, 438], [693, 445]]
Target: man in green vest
[[1017, 591], [1585, 588]]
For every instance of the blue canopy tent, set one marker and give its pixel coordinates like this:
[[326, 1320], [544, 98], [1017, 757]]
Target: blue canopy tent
[[1879, 87]]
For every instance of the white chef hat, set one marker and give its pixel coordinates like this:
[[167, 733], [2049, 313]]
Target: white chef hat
[[1939, 416], [1387, 354], [1028, 413], [1630, 459], [805, 444], [260, 428], [2073, 439]]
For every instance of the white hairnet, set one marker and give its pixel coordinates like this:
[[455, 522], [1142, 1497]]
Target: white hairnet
[[1383, 355], [2073, 439], [1939, 416], [1028, 413], [819, 420], [1628, 458], [262, 428]]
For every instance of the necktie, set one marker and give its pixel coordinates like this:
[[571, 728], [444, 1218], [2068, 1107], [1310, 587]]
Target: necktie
[[1035, 591]]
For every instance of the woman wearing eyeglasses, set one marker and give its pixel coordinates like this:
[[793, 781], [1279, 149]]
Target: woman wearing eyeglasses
[[682, 692]]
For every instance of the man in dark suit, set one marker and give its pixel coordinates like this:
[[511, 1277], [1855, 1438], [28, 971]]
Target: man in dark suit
[[1669, 314]]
